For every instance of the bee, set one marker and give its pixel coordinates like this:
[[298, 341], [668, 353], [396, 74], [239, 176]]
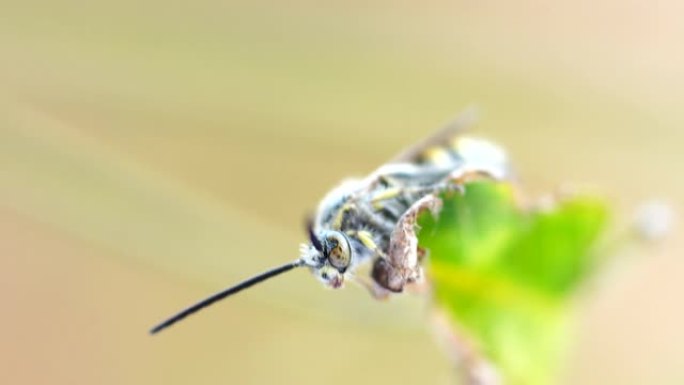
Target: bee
[[372, 221]]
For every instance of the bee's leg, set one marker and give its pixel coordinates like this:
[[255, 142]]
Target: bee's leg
[[401, 266], [446, 186], [461, 177], [366, 238], [453, 183], [373, 218], [456, 181]]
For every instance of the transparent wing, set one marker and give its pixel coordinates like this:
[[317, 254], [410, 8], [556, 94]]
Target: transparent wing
[[457, 126], [451, 151]]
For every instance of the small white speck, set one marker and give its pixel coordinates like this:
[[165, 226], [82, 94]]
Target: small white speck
[[654, 220]]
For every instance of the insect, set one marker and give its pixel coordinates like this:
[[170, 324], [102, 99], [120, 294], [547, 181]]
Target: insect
[[372, 221]]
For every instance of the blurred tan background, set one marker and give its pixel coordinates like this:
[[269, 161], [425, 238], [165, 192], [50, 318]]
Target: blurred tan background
[[152, 152]]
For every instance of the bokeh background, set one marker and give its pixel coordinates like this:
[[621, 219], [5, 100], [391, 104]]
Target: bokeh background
[[152, 152]]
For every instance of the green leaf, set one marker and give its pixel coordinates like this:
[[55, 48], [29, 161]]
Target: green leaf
[[505, 274]]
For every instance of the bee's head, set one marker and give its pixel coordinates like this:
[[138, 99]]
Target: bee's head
[[329, 256]]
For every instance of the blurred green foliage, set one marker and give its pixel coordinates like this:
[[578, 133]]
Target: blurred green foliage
[[506, 274]]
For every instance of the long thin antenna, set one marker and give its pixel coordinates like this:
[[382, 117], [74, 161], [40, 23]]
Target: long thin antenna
[[315, 241], [225, 293]]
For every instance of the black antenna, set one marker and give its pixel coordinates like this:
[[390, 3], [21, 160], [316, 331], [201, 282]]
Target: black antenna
[[315, 241], [225, 293]]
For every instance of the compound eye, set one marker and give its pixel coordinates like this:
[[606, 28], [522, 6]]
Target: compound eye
[[339, 251]]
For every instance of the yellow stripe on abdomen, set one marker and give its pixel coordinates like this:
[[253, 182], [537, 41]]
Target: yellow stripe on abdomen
[[438, 156]]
